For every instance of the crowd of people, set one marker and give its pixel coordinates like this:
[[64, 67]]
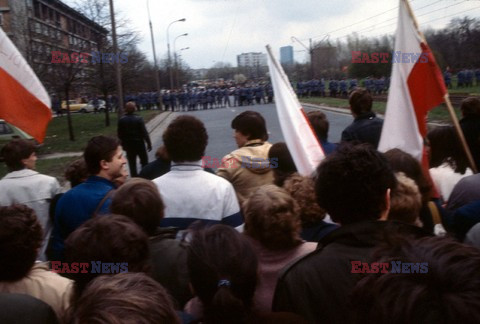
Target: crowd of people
[[202, 98], [367, 237], [341, 88], [333, 87]]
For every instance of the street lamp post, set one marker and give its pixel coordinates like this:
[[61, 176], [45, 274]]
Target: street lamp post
[[168, 49], [176, 67], [175, 57], [157, 77], [117, 63]]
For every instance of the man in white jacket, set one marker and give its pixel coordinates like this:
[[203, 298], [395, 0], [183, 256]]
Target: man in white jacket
[[191, 194], [23, 185]]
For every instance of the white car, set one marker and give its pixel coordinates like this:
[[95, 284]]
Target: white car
[[91, 108]]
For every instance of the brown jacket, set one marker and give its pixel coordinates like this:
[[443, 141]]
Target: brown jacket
[[45, 285], [247, 168]]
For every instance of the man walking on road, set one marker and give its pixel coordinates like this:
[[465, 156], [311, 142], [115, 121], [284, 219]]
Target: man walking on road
[[133, 134]]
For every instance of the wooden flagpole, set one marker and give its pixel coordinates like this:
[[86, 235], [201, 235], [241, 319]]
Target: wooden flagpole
[[446, 97]]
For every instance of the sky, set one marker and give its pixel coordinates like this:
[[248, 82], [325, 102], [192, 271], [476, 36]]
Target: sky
[[219, 30]]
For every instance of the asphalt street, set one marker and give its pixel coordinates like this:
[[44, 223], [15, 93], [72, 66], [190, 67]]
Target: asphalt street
[[217, 121]]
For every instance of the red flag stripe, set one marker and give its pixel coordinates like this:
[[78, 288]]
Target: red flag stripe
[[16, 108], [426, 87]]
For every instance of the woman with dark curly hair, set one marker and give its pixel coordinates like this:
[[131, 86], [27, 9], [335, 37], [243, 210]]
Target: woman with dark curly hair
[[21, 237], [272, 222]]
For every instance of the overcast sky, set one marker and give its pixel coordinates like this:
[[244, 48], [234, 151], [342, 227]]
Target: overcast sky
[[219, 30]]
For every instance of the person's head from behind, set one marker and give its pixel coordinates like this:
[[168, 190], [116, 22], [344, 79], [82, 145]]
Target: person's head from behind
[[139, 200], [470, 107], [445, 147], [448, 290], [19, 154], [360, 101], [104, 156], [249, 125], [302, 190], [130, 107], [401, 161], [21, 237], [107, 239], [272, 218], [223, 273], [185, 139], [353, 184], [406, 201], [285, 166], [124, 298], [319, 123], [76, 172]]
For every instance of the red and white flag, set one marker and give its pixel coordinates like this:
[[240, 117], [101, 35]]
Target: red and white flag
[[301, 141], [416, 87], [24, 102]]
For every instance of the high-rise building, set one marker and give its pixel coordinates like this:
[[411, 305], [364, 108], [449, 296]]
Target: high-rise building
[[252, 59], [286, 55]]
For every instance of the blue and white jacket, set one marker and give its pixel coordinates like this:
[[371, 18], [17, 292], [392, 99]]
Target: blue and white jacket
[[191, 194]]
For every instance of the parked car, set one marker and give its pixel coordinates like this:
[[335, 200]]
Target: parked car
[[75, 106], [91, 108], [9, 132]]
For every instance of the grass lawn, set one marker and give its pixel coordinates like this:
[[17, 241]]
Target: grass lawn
[[437, 114], [85, 126], [57, 140], [471, 91]]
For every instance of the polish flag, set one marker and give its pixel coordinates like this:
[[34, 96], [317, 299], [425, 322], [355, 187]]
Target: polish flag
[[24, 102], [415, 88], [301, 141]]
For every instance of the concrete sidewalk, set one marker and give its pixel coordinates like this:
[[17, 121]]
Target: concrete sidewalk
[[151, 126]]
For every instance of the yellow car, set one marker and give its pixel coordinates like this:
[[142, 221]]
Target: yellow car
[[75, 106]]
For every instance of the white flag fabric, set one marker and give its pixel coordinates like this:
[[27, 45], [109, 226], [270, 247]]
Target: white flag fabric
[[24, 102], [301, 141], [416, 87]]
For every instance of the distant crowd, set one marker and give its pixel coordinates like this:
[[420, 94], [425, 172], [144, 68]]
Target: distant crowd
[[367, 237], [466, 78], [201, 98]]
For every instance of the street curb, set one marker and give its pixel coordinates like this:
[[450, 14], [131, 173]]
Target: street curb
[[159, 119], [151, 125], [345, 111]]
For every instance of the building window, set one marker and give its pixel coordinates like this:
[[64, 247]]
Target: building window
[[38, 28], [36, 9]]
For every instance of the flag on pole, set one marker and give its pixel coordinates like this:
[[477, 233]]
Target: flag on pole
[[24, 102], [416, 87], [301, 141]]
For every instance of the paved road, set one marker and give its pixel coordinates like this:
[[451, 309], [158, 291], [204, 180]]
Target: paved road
[[217, 122]]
